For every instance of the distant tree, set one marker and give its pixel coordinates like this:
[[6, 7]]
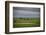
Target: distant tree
[[20, 18], [27, 18], [24, 18]]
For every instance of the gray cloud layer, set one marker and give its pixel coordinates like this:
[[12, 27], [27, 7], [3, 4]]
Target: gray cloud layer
[[26, 12]]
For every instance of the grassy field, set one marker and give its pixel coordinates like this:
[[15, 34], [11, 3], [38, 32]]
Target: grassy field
[[26, 22]]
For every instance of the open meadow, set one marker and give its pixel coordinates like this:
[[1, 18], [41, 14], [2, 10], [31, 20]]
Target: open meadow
[[26, 22]]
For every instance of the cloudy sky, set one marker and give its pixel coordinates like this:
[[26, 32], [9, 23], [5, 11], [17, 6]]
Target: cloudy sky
[[26, 12]]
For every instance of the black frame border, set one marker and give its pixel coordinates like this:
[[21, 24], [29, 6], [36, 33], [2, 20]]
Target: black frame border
[[7, 16]]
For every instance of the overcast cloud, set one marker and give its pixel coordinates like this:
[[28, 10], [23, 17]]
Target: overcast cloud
[[26, 12]]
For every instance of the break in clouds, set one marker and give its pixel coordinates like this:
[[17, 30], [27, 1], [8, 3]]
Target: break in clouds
[[26, 12]]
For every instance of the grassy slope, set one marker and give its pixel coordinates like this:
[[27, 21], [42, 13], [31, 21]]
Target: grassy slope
[[26, 22]]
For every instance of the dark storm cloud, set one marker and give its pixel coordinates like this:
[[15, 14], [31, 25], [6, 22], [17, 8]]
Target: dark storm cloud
[[26, 12]]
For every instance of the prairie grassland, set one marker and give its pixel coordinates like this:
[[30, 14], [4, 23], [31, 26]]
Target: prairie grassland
[[26, 22]]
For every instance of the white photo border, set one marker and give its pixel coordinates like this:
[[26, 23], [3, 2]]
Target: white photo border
[[11, 29]]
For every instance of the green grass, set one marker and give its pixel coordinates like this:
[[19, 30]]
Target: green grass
[[26, 22]]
